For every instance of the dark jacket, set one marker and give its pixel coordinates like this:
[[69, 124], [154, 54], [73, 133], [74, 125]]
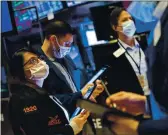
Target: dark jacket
[[158, 78], [35, 113], [56, 85], [153, 127], [120, 76]]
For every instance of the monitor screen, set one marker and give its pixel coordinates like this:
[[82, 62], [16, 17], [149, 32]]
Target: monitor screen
[[6, 18], [24, 18], [92, 38], [73, 3], [88, 34]]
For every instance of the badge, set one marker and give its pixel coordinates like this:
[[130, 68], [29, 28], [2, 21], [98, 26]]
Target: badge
[[119, 52], [141, 79]]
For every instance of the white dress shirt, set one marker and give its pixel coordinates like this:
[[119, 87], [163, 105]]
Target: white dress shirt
[[134, 52]]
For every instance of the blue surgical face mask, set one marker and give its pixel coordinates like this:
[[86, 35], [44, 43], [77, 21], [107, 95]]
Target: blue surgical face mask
[[62, 51], [129, 28]]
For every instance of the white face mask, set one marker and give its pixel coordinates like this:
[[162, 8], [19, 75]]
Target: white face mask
[[62, 51], [39, 71], [129, 28]]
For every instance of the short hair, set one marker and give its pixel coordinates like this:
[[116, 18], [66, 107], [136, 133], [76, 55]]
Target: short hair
[[59, 28], [17, 63], [114, 16]]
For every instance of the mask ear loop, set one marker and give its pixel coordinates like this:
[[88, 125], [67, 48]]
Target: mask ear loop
[[54, 47], [118, 30], [57, 41]]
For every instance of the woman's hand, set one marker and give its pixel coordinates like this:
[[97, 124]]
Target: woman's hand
[[78, 121]]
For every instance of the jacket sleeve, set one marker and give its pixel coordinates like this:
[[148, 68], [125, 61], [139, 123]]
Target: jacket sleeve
[[33, 123], [69, 100], [153, 127]]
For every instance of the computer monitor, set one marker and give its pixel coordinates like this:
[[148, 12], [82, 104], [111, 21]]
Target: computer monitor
[[92, 38], [88, 34], [8, 25], [24, 18]]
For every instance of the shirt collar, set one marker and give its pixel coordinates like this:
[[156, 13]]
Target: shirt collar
[[126, 46], [51, 59]]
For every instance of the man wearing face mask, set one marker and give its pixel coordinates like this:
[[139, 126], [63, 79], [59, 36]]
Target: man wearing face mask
[[126, 58], [57, 44]]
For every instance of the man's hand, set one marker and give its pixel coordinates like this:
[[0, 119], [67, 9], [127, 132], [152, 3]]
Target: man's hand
[[98, 90], [128, 102], [86, 88], [123, 126]]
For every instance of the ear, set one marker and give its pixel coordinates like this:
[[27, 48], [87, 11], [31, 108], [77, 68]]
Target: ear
[[114, 28], [52, 39]]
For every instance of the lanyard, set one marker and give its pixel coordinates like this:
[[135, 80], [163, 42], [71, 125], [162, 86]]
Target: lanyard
[[138, 66]]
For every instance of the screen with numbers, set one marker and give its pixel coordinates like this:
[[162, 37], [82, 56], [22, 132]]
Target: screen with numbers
[[24, 18]]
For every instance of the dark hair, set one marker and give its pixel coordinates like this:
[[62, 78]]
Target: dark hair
[[59, 28], [17, 63], [115, 15]]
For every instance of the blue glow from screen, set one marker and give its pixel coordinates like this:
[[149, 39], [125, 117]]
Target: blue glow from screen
[[6, 19]]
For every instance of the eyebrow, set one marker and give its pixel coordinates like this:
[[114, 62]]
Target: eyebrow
[[29, 60], [125, 18]]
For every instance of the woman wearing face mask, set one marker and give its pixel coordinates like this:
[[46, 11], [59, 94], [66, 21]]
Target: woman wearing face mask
[[32, 111]]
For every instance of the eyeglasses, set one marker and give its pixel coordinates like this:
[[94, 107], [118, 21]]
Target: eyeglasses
[[64, 43], [33, 61], [67, 44]]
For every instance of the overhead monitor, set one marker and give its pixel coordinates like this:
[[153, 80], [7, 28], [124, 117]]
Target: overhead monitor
[[24, 18]]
